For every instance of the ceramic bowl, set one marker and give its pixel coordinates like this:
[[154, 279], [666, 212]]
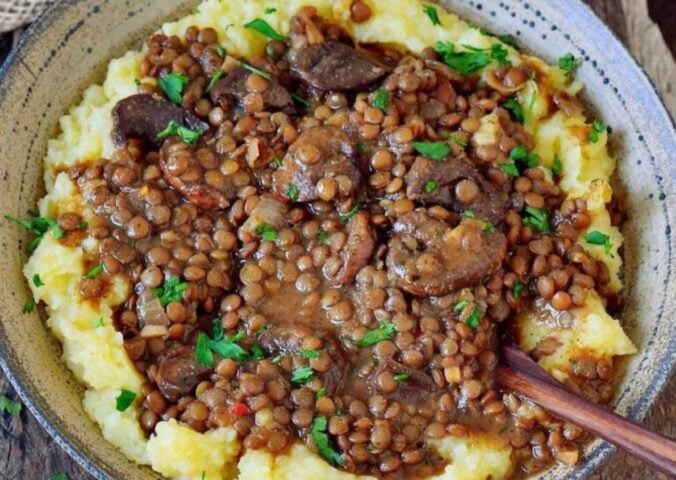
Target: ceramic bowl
[[69, 47]]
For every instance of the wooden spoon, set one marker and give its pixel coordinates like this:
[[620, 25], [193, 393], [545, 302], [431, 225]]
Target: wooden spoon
[[522, 375]]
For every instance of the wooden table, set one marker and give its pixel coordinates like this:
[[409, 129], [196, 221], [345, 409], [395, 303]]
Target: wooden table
[[29, 453]]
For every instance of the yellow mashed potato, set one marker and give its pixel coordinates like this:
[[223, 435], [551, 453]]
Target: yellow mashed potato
[[95, 352]]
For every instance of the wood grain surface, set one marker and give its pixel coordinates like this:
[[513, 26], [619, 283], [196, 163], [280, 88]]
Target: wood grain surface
[[28, 453]]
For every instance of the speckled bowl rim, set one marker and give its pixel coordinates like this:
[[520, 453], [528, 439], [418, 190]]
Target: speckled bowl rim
[[592, 460]]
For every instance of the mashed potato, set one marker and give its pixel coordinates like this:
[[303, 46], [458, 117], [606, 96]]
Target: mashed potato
[[94, 350]]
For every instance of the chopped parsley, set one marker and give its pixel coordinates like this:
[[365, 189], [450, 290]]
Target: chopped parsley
[[302, 375], [363, 147], [37, 281], [98, 322], [568, 63], [430, 186], [557, 167], [597, 128], [257, 71], [517, 289], [473, 59], [510, 169], [292, 192], [321, 392], [489, 228], [172, 85], [381, 100], [537, 219], [277, 359], [29, 306], [473, 319], [468, 214], [277, 162], [220, 50], [515, 108], [303, 101], [270, 10], [124, 400], [203, 354], [433, 150], [508, 40], [400, 377], [95, 271], [457, 140], [321, 439], [599, 238], [460, 306], [308, 354], [384, 332], [39, 226], [265, 29], [171, 291], [218, 74], [267, 232], [520, 154], [10, 406], [226, 347], [322, 236], [187, 135], [256, 352], [351, 213], [432, 14]]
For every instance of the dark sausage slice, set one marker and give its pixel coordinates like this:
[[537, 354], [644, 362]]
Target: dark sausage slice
[[427, 257], [188, 181], [334, 66], [490, 205], [414, 389], [178, 373], [233, 89], [144, 116], [336, 157], [361, 240]]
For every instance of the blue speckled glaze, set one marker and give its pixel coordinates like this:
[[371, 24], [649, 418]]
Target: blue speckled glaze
[[67, 45]]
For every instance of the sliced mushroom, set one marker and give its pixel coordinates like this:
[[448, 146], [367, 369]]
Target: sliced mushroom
[[232, 89], [489, 204], [178, 373], [182, 170], [144, 116], [428, 257], [415, 387], [334, 66], [318, 153], [361, 241]]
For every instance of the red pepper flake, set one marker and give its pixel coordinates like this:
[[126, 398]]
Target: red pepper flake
[[240, 409]]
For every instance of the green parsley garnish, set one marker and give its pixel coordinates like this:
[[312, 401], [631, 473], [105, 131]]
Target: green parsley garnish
[[171, 291], [256, 352], [226, 347], [29, 306], [363, 147], [537, 219], [98, 322], [220, 50], [308, 354], [276, 359], [321, 439], [203, 354], [172, 85], [321, 392], [322, 236], [267, 232], [218, 74], [473, 319], [400, 377], [10, 406], [430, 186], [489, 227], [37, 281], [520, 154], [124, 400], [432, 13], [568, 63], [510, 169], [351, 213], [457, 140], [270, 10], [597, 128], [599, 238], [95, 271], [433, 150], [557, 166], [460, 306], [473, 59], [468, 214], [517, 289], [384, 332], [187, 135], [515, 108], [381, 99], [277, 162], [257, 71], [302, 375], [39, 226], [303, 101], [292, 192], [508, 40], [264, 28]]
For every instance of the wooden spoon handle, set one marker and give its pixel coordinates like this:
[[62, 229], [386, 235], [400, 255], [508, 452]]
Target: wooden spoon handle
[[524, 376]]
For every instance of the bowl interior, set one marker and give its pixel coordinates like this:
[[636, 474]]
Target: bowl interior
[[66, 51]]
